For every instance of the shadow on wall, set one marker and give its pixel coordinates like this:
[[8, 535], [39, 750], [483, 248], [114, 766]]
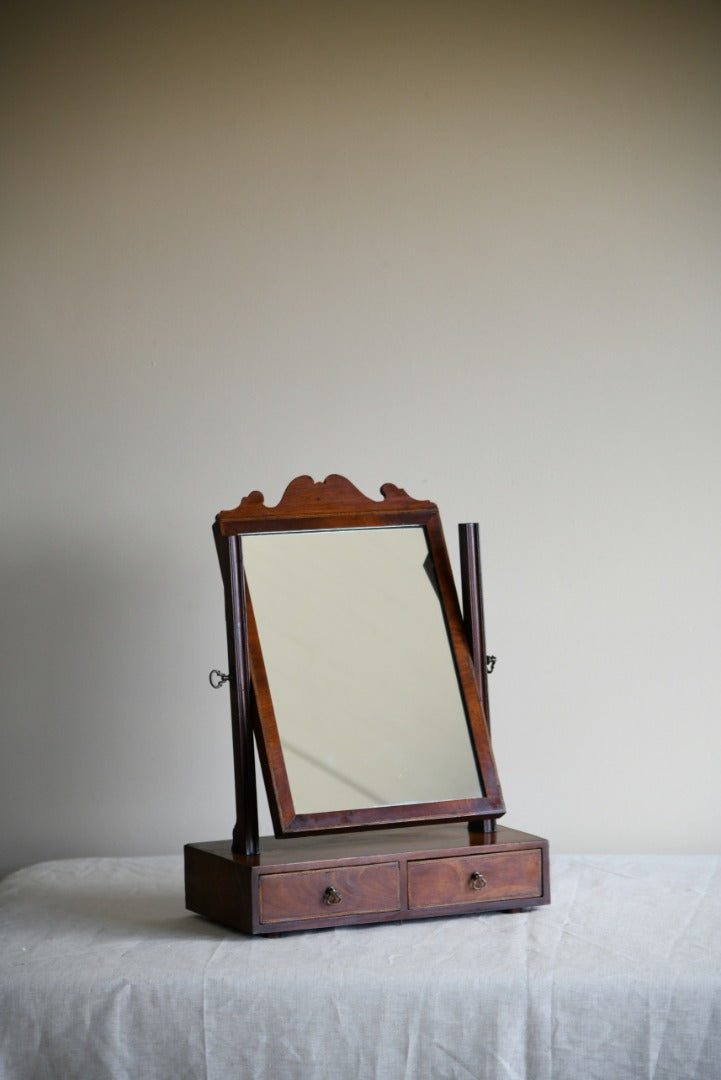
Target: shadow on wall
[[92, 669]]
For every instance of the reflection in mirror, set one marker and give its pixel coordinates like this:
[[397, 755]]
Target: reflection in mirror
[[364, 689]]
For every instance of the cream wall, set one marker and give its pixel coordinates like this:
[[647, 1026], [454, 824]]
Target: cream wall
[[470, 248]]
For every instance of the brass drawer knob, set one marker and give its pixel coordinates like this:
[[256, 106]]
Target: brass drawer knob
[[332, 896], [478, 881]]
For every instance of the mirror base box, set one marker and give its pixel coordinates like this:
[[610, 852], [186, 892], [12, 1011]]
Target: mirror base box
[[306, 883]]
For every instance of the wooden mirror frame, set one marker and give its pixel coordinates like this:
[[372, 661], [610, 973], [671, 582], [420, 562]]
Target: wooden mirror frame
[[335, 504]]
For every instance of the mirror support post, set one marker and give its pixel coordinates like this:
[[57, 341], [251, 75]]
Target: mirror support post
[[245, 832], [472, 599]]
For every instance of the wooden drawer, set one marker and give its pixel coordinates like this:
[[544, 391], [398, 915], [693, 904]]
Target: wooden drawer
[[336, 891], [469, 879], [386, 876]]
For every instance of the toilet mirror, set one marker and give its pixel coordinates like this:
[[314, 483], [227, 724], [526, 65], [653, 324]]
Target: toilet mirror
[[359, 681]]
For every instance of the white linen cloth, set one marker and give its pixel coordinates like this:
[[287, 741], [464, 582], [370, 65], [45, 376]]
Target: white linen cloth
[[104, 974]]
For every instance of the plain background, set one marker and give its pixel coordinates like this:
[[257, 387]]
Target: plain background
[[470, 248]]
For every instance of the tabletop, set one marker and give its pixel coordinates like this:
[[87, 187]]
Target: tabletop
[[103, 973]]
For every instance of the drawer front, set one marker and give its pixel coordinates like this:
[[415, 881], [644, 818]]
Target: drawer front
[[469, 879], [337, 891]]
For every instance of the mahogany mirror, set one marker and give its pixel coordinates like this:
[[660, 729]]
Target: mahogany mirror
[[351, 665]]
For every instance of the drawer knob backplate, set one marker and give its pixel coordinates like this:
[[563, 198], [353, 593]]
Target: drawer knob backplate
[[477, 881]]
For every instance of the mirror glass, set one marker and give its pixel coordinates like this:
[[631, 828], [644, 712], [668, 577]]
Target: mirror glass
[[363, 683]]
